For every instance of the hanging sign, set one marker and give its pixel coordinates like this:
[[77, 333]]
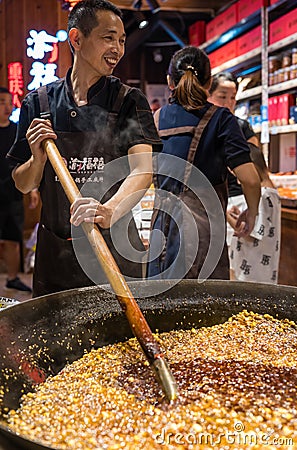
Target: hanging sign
[[15, 82], [43, 46]]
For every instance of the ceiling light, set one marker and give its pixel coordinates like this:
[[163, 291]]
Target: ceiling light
[[141, 20], [157, 55]]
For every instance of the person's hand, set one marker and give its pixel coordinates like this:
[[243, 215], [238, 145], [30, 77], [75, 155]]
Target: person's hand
[[34, 199], [233, 212], [232, 215], [87, 209], [245, 223], [38, 131]]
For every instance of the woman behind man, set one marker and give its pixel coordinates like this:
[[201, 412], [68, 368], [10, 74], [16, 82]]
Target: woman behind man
[[222, 92], [200, 143], [256, 257]]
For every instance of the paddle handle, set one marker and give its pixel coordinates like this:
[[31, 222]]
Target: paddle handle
[[128, 304]]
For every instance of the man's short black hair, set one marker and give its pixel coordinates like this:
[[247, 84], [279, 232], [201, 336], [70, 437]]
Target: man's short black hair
[[83, 15]]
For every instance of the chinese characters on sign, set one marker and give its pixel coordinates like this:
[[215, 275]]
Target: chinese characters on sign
[[39, 44], [43, 48], [15, 82]]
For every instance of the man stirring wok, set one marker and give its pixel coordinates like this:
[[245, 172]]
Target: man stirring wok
[[95, 121]]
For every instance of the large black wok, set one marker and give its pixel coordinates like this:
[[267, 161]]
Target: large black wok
[[44, 334]]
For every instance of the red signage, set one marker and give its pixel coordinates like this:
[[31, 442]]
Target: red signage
[[15, 82]]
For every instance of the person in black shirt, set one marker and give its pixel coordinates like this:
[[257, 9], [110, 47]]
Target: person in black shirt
[[11, 199], [200, 143], [222, 92], [105, 132]]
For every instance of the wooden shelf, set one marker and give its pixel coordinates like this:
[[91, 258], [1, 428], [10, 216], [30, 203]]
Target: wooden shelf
[[249, 93], [282, 43], [236, 62], [285, 86], [281, 129]]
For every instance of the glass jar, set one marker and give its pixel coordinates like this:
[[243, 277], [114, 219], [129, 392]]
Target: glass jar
[[281, 74], [293, 72], [294, 56], [287, 72], [286, 60], [274, 63]]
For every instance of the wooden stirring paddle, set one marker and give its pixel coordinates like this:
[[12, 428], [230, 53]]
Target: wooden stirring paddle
[[138, 324]]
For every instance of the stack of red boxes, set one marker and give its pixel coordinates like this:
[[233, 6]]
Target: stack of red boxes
[[246, 8], [223, 54], [197, 33], [279, 109], [226, 20], [283, 27], [222, 22], [249, 41]]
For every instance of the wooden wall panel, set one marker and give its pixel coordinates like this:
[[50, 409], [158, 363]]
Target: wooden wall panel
[[14, 31], [17, 18], [3, 79]]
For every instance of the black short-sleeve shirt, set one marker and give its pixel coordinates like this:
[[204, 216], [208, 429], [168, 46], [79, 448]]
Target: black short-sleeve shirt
[[135, 123], [234, 187]]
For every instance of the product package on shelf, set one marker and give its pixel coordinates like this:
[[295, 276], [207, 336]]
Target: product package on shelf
[[249, 41], [287, 189], [285, 26], [287, 152], [282, 66], [293, 115], [222, 22], [197, 33], [279, 109], [246, 8], [223, 54]]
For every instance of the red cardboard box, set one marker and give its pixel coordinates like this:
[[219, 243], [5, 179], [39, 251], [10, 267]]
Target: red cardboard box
[[197, 33], [248, 7], [223, 54], [210, 30], [273, 105], [287, 152], [277, 30], [279, 109], [222, 22], [227, 19], [291, 27], [249, 41], [285, 101], [283, 27]]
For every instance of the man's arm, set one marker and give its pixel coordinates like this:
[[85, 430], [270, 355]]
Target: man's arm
[[27, 176], [251, 186]]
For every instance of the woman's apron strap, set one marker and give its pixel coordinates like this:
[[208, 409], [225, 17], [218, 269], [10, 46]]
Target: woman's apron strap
[[195, 142]]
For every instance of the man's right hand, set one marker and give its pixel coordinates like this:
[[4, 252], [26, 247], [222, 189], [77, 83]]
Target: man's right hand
[[38, 131]]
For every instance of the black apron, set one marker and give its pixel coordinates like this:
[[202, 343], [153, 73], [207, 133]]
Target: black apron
[[186, 222], [64, 258]]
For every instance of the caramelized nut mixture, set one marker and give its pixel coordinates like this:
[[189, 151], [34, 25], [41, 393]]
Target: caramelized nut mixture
[[237, 387]]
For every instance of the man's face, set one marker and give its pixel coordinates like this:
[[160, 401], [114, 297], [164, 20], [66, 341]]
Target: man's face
[[6, 107], [101, 51], [224, 95]]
